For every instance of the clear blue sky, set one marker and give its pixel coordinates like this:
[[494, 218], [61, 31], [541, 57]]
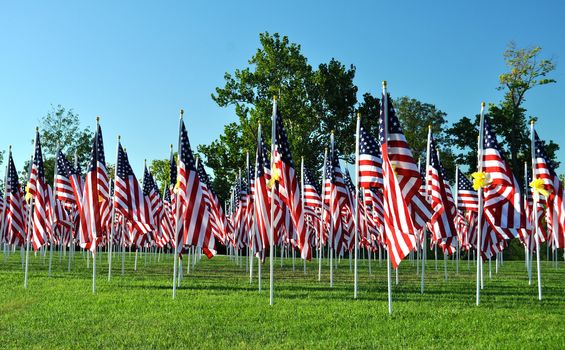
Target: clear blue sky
[[136, 63]]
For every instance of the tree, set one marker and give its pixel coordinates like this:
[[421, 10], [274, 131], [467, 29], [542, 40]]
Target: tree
[[415, 117], [160, 169], [526, 71], [311, 102], [60, 129]]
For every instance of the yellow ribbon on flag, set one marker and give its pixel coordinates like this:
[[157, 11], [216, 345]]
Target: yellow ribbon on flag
[[28, 195], [275, 177], [480, 180], [538, 187]]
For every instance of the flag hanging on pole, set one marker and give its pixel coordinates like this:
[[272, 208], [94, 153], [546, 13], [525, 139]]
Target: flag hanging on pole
[[14, 210], [38, 189], [398, 226], [503, 199], [194, 213], [289, 189], [95, 200], [547, 184]]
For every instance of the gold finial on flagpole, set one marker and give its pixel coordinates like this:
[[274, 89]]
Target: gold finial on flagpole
[[171, 146], [97, 119], [37, 129], [384, 84], [119, 138], [358, 115], [181, 113], [483, 104]]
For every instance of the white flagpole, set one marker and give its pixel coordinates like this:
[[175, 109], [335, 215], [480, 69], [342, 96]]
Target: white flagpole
[[30, 223], [369, 252], [178, 223], [534, 207], [53, 213], [385, 132], [330, 234], [356, 204], [302, 199], [456, 194], [321, 233], [444, 253], [272, 230], [112, 218], [481, 204], [528, 245], [4, 213], [261, 252], [424, 245]]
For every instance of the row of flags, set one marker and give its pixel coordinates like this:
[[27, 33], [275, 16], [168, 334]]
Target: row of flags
[[394, 203]]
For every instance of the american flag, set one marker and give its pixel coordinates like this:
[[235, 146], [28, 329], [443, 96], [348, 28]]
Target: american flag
[[153, 200], [66, 182], [129, 198], [218, 219], [370, 161], [337, 197], [400, 154], [14, 211], [241, 211], [192, 206], [262, 202], [555, 203], [542, 233], [312, 201], [288, 186], [443, 226], [398, 226], [95, 199], [503, 200], [38, 189], [467, 197], [405, 168]]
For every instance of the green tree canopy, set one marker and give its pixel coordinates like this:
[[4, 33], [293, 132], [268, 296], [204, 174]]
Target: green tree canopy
[[312, 102]]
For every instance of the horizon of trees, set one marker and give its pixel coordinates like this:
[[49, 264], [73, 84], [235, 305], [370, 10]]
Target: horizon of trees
[[316, 100]]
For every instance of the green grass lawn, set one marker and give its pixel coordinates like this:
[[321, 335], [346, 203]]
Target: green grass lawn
[[217, 307]]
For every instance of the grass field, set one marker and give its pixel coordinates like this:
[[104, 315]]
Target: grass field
[[217, 307]]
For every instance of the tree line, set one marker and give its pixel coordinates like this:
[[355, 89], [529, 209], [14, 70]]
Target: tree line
[[317, 100]]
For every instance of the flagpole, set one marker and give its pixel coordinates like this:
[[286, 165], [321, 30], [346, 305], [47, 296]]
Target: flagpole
[[330, 234], [112, 218], [178, 222], [272, 230], [321, 233], [534, 207], [528, 243], [385, 139], [53, 213], [424, 245], [481, 204], [30, 219], [94, 243], [302, 200], [261, 252], [456, 194], [356, 217], [4, 212]]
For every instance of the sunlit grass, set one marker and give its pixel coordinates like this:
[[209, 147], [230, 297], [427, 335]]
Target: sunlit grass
[[217, 307]]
